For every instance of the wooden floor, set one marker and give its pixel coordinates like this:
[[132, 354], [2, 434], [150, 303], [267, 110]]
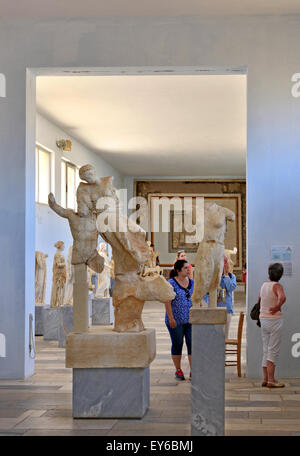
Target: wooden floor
[[42, 404]]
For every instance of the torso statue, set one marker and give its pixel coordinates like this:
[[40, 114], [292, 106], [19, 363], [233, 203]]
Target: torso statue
[[215, 222]]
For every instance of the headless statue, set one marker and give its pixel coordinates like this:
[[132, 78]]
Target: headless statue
[[40, 277], [58, 277], [209, 260]]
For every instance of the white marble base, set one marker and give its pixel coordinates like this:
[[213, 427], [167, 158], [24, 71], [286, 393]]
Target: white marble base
[[102, 311], [110, 393], [51, 322], [39, 323]]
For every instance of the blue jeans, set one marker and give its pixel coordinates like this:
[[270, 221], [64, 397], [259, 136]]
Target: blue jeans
[[177, 335]]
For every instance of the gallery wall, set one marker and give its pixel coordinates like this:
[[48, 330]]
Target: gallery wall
[[269, 46]]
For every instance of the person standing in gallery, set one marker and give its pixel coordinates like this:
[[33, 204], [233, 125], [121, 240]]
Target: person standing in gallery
[[177, 315], [244, 276], [271, 299], [228, 283], [181, 255]]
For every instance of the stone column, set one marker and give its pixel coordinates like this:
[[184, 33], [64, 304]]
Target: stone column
[[80, 299], [208, 371]]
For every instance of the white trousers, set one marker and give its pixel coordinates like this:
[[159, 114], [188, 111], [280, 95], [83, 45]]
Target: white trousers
[[271, 336]]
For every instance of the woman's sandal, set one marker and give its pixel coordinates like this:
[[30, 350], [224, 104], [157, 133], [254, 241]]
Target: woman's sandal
[[264, 383], [275, 385]]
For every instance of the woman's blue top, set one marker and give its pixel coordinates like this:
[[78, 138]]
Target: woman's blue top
[[182, 302]]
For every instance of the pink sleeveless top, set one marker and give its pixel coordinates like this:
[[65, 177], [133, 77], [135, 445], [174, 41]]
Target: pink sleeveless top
[[268, 299]]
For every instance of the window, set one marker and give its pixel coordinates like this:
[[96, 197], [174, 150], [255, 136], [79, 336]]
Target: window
[[42, 175], [69, 183]]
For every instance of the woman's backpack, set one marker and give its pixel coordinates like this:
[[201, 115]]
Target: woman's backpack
[[254, 314]]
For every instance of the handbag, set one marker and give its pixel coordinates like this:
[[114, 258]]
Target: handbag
[[254, 314]]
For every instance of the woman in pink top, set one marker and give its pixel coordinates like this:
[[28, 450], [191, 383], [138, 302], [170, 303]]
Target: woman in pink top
[[271, 298]]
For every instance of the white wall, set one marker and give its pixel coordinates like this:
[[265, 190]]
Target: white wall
[[270, 48]]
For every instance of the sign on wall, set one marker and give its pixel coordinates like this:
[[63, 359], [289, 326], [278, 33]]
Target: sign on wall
[[283, 254]]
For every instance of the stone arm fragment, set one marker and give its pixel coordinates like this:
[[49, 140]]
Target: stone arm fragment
[[57, 208]]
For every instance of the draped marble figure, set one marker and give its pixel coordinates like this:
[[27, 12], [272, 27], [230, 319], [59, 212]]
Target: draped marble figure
[[104, 276], [40, 277], [58, 276], [209, 260], [68, 296]]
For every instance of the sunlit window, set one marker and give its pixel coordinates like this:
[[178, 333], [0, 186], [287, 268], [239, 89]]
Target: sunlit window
[[42, 175], [69, 183]]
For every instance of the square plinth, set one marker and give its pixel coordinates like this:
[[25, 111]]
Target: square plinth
[[208, 316], [110, 393], [102, 311], [66, 324], [39, 323], [51, 322], [208, 380], [103, 347]]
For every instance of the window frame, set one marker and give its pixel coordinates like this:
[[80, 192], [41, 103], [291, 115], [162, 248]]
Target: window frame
[[64, 198], [39, 147]]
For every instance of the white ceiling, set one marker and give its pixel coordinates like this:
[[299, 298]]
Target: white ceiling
[[92, 8], [154, 125]]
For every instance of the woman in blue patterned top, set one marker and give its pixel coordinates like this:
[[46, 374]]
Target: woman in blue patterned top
[[177, 315]]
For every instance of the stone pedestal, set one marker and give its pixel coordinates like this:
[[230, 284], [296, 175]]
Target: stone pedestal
[[66, 324], [110, 372], [102, 311], [51, 322], [39, 323], [208, 371]]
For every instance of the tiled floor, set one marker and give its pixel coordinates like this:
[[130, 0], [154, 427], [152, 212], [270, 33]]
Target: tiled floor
[[42, 404]]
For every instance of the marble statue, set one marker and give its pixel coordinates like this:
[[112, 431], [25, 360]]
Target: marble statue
[[228, 254], [150, 268], [130, 252], [68, 296], [209, 260], [104, 276], [58, 277], [85, 237], [40, 277]]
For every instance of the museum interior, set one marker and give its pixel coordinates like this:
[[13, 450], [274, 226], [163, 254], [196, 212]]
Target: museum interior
[[122, 120]]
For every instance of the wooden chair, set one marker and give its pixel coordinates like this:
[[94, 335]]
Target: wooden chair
[[237, 343]]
